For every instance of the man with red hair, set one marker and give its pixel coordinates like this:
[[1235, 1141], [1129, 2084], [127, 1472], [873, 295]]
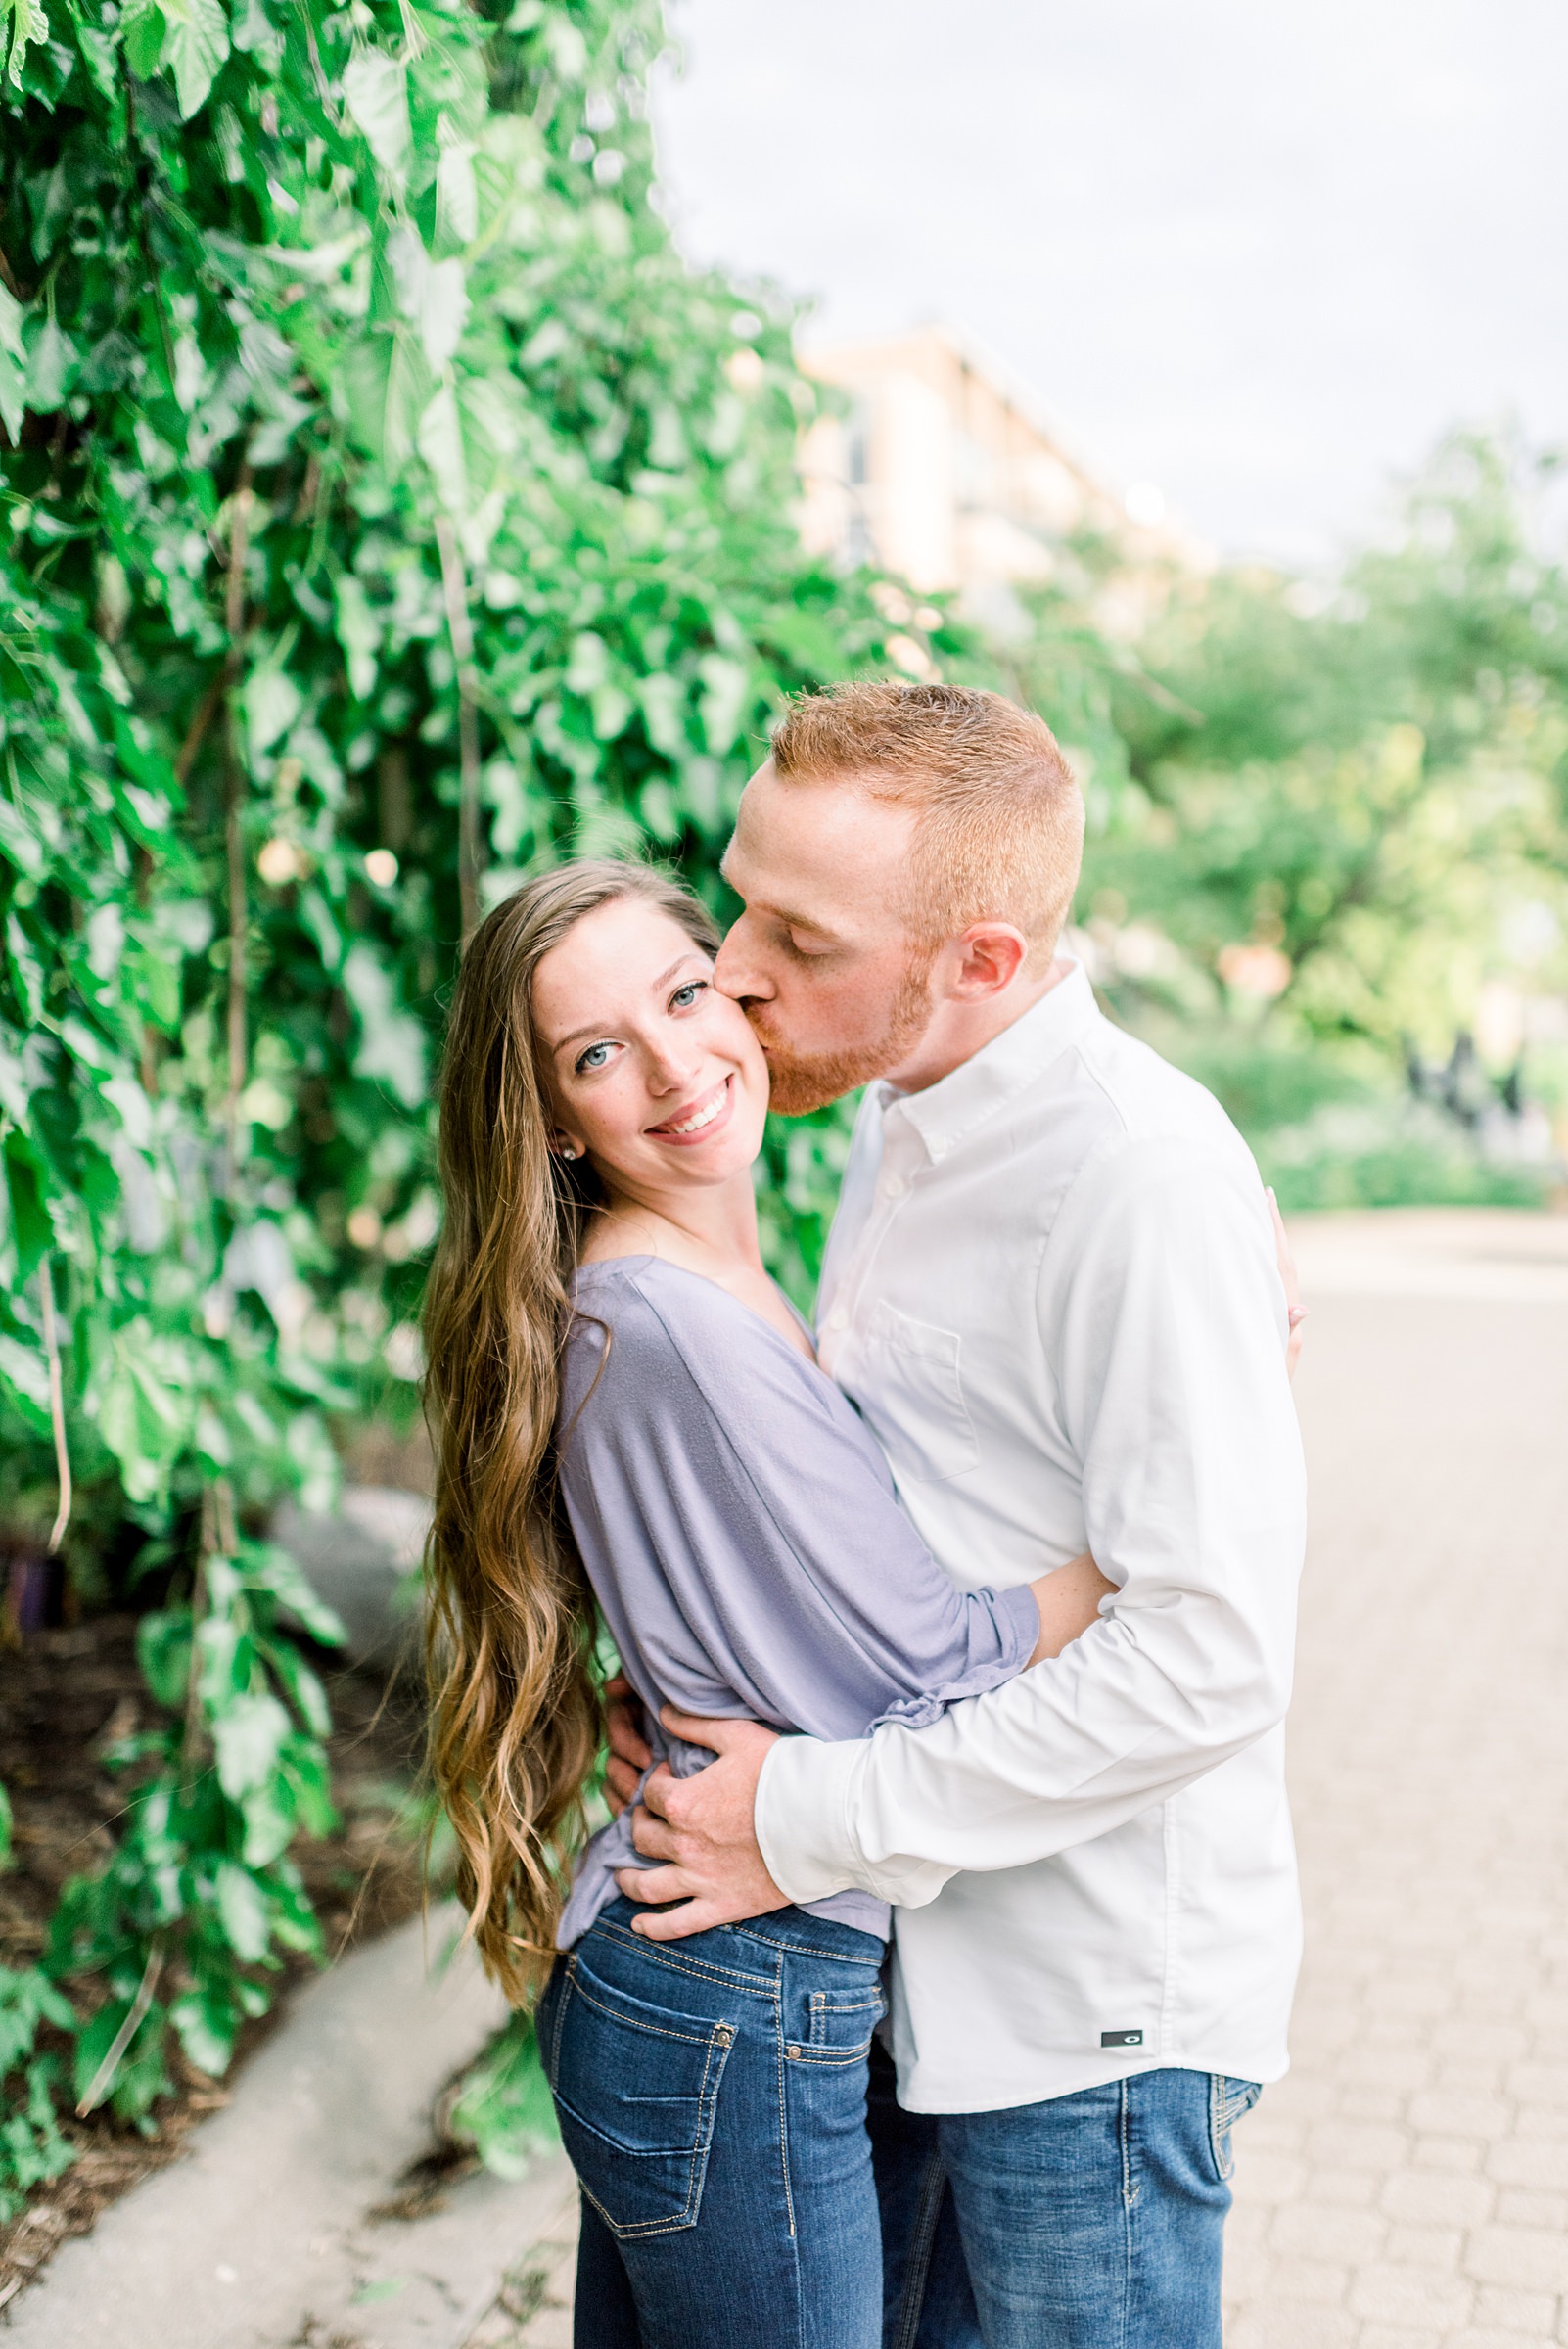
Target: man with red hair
[[1051, 1289]]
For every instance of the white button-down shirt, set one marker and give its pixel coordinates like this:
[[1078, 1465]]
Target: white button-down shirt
[[1051, 1290]]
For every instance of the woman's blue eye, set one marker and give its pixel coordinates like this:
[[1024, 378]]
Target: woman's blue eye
[[684, 996], [587, 1060]]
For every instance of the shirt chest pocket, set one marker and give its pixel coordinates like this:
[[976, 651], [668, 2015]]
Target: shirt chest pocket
[[913, 1396]]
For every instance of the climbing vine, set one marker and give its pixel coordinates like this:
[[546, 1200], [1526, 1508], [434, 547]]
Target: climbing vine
[[385, 508]]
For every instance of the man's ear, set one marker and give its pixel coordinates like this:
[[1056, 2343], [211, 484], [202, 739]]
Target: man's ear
[[987, 957]]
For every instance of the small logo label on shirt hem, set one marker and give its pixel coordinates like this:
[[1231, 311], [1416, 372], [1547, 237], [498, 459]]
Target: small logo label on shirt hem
[[1121, 2039]]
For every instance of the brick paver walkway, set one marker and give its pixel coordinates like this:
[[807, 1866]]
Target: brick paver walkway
[[1407, 2187]]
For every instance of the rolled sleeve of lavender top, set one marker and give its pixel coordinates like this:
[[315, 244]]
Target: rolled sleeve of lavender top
[[739, 1526]]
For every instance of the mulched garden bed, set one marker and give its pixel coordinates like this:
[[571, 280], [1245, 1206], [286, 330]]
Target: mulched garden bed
[[65, 1697]]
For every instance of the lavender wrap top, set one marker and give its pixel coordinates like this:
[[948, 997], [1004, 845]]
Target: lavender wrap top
[[739, 1526]]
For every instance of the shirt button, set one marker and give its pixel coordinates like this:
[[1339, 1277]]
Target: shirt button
[[838, 1319], [893, 1186]]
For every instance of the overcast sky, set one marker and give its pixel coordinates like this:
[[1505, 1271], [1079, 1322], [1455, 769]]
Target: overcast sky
[[1260, 256]]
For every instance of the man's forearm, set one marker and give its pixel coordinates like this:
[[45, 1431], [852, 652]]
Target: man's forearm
[[1161, 1315], [1068, 1751]]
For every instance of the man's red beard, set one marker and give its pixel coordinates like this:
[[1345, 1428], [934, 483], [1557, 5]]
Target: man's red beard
[[806, 1080]]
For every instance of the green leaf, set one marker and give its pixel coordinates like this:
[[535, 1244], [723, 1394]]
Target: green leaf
[[28, 22], [146, 1414], [456, 197], [663, 699], [269, 1567], [272, 701], [440, 444], [310, 1784], [207, 2027], [359, 634], [308, 1697], [29, 1219], [316, 916], [143, 28], [27, 967], [726, 691], [196, 43], [25, 1374], [391, 1043], [376, 90], [12, 350], [247, 1736], [28, 1998], [254, 32], [98, 50], [163, 1652], [50, 370], [503, 2106], [243, 1912], [269, 1823], [32, 2148]]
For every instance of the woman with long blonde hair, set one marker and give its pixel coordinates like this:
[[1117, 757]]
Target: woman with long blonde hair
[[632, 1432]]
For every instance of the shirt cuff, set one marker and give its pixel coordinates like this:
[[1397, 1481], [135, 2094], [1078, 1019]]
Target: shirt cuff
[[1019, 1610], [808, 1800], [802, 1817]]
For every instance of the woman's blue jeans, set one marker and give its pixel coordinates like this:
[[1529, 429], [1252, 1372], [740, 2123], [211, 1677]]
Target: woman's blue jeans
[[712, 2096]]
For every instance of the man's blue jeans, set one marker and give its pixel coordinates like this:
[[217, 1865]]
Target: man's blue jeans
[[1086, 2222], [711, 2095]]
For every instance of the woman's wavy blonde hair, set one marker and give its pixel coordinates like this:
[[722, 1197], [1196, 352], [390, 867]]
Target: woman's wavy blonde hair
[[515, 1724]]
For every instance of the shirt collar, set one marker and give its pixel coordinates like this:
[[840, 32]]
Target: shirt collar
[[947, 1111]]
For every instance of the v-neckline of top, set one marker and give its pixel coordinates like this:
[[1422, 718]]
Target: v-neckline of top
[[646, 1256]]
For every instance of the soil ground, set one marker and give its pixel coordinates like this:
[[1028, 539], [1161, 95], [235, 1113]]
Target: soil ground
[[65, 1696]]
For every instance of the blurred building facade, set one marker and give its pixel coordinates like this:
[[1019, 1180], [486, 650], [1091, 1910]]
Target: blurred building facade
[[948, 475]]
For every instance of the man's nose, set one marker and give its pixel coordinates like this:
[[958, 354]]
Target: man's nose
[[737, 972]]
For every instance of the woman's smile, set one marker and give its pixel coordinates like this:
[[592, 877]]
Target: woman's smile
[[700, 1119]]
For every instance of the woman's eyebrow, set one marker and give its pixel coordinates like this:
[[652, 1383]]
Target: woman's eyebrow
[[596, 1027], [692, 954]]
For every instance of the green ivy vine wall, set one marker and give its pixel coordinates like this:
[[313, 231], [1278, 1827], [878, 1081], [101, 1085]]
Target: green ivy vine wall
[[387, 507]]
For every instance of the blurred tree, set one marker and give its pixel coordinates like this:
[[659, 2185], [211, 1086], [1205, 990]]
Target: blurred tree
[[1336, 815]]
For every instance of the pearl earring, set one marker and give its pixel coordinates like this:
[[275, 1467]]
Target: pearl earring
[[567, 1151]]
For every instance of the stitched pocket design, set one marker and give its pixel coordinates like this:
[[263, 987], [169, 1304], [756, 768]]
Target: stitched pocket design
[[636, 2092], [839, 2028], [915, 1397]]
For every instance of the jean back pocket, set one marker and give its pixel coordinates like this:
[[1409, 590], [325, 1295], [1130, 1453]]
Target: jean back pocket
[[636, 2092]]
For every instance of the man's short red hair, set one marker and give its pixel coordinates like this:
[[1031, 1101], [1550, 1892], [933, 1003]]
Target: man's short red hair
[[999, 816]]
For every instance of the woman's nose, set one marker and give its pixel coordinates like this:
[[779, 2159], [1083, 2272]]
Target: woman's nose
[[671, 1065]]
